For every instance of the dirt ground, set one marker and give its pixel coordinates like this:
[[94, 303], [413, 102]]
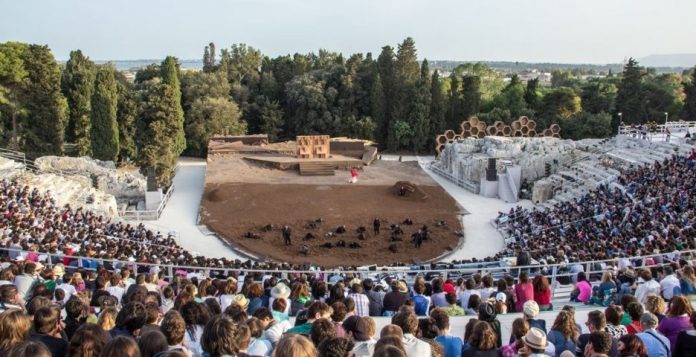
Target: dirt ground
[[234, 168], [243, 197]]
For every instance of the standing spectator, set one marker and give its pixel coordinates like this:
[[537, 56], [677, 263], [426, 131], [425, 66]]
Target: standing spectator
[[524, 291], [542, 292], [130, 319], [14, 329], [451, 344], [228, 294], [116, 288], [564, 334], [657, 345], [47, 330], [686, 341], [677, 320], [76, 315]]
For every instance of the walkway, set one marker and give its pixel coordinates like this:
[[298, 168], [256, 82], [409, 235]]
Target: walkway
[[181, 212]]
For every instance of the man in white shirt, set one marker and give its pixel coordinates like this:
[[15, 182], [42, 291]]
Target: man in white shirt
[[668, 281], [646, 286], [408, 321], [67, 287], [25, 282]]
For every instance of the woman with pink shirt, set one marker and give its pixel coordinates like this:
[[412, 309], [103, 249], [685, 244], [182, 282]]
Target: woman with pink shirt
[[583, 289], [524, 290]]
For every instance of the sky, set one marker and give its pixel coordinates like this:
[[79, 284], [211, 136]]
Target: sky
[[560, 31]]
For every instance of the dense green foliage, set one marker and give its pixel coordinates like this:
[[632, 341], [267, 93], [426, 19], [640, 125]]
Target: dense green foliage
[[395, 98], [104, 131], [78, 86]]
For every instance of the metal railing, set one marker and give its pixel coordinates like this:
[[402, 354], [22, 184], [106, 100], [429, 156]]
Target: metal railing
[[148, 215], [465, 184], [553, 271], [674, 127]]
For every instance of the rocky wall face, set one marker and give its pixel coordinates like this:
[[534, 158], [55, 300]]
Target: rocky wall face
[[103, 175]]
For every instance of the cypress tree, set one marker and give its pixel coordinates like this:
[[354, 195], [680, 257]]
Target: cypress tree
[[387, 76], [531, 96], [454, 110], [206, 60], [104, 124], [126, 112], [471, 96], [44, 124], [78, 86], [629, 98], [175, 128], [437, 108], [689, 109], [379, 105]]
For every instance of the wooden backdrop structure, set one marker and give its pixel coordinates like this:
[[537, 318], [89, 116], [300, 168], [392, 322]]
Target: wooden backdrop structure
[[313, 147]]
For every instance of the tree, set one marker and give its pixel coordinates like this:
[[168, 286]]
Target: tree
[[598, 96], [437, 108], [363, 128], [455, 108], [629, 98], [585, 125], [170, 77], [104, 120], [379, 108], [531, 94], [661, 94], [471, 96], [154, 139], [270, 118], [244, 60], [44, 125], [209, 58], [197, 85], [689, 109], [562, 102], [209, 116], [562, 78], [407, 74], [78, 86], [512, 98], [419, 110], [387, 77], [12, 76], [126, 113]]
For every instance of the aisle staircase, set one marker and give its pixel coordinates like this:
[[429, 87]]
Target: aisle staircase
[[314, 168]]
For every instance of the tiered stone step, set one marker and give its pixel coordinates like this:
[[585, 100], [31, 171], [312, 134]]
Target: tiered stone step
[[316, 169]]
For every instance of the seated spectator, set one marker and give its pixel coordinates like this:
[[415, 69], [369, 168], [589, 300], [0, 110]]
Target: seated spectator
[[335, 347], [421, 303], [686, 340], [465, 291], [294, 345], [152, 343], [656, 305], [487, 314], [687, 282], [472, 307], [107, 319], [428, 331], [121, 346], [452, 308], [632, 346], [389, 351], [129, 320], [614, 314], [258, 346], [564, 334], [524, 291], [388, 340], [451, 344], [47, 330], [646, 286], [535, 343], [361, 331], [599, 343], [396, 298], [656, 344], [196, 316], [596, 324], [542, 292], [322, 329], [635, 310], [9, 298], [29, 349], [677, 319], [519, 329], [152, 318], [14, 329], [76, 316], [273, 329], [218, 338], [408, 321], [583, 289], [317, 310], [482, 342], [174, 328], [87, 341]]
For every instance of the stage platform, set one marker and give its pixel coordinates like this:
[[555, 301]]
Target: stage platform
[[293, 163]]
